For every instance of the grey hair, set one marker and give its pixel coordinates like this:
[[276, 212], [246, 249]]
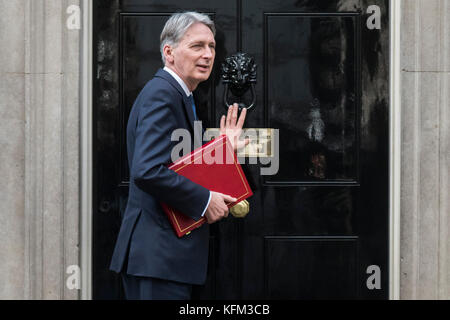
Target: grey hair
[[178, 24]]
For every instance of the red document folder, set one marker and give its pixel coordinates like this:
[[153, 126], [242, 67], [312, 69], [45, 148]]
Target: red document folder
[[215, 167]]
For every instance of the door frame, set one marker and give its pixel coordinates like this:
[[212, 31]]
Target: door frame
[[86, 151], [395, 130]]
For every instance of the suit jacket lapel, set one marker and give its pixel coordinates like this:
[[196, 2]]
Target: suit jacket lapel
[[186, 104]]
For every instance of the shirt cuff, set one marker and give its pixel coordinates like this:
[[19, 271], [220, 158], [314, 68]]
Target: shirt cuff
[[207, 204]]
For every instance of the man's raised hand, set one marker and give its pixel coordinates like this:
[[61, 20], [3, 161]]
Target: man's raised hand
[[232, 127]]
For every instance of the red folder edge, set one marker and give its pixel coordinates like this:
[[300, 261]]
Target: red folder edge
[[175, 217]]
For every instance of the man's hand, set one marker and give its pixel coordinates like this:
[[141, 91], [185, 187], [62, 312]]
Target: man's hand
[[233, 130], [217, 208]]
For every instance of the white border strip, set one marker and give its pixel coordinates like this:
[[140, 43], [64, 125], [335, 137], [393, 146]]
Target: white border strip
[[86, 152], [395, 150]]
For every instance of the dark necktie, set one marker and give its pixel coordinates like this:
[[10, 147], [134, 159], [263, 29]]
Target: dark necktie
[[191, 99]]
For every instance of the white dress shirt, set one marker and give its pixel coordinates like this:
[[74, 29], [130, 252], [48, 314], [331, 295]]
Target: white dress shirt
[[188, 93]]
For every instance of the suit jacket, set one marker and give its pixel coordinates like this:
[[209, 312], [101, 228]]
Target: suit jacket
[[146, 240]]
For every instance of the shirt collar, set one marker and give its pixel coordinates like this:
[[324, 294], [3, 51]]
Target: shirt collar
[[179, 80]]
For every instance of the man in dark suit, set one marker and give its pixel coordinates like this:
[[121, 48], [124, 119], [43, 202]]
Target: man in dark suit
[[154, 263]]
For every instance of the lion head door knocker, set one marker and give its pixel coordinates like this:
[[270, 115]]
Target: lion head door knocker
[[239, 75]]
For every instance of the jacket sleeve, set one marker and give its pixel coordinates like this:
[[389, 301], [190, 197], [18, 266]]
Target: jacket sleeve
[[156, 122]]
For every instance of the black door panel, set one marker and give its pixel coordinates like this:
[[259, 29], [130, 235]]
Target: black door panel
[[316, 225]]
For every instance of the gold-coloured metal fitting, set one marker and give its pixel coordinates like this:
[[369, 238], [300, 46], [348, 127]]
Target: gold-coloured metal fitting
[[260, 146], [241, 209]]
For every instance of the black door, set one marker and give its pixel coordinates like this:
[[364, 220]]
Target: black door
[[318, 228]]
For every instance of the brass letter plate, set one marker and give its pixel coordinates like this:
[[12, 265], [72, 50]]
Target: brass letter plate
[[260, 145]]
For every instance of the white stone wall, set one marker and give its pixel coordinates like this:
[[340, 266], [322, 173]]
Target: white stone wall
[[425, 223], [12, 149], [39, 136]]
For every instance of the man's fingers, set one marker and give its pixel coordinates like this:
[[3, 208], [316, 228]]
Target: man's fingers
[[222, 122], [229, 198], [228, 121], [218, 215], [241, 120], [234, 114]]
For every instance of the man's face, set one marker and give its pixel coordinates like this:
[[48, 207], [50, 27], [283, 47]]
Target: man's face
[[193, 58]]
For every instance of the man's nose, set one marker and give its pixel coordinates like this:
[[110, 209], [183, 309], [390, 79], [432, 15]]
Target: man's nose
[[208, 53]]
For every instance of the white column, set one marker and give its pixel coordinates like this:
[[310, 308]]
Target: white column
[[52, 149], [425, 263], [12, 149]]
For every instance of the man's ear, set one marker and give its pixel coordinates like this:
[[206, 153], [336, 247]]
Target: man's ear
[[168, 53]]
